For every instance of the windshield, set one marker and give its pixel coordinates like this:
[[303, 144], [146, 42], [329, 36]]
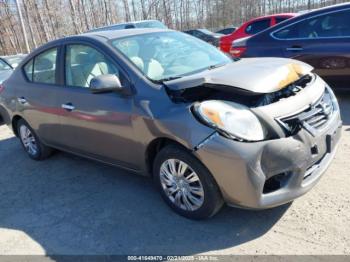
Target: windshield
[[167, 55], [150, 24]]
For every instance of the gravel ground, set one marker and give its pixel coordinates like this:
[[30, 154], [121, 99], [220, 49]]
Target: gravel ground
[[70, 205]]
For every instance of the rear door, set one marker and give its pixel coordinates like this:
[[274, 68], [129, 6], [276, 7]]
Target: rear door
[[95, 125], [323, 42], [36, 97]]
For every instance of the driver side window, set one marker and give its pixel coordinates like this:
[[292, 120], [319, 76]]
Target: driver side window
[[83, 63]]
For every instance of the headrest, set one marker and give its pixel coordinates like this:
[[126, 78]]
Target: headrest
[[82, 58], [42, 64], [94, 57]]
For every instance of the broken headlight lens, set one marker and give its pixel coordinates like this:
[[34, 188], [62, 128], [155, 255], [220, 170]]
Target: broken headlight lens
[[232, 119]]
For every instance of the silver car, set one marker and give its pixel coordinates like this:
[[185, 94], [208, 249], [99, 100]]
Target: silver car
[[5, 70], [252, 133]]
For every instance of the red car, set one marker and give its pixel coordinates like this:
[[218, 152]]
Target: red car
[[252, 27]]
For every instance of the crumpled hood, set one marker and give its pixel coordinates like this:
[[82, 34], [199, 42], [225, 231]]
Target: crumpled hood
[[258, 75]]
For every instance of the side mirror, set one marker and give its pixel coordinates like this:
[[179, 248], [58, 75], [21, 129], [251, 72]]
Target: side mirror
[[105, 83]]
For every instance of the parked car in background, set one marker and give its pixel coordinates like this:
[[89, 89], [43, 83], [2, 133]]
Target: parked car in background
[[320, 38], [14, 60], [5, 70], [130, 25], [205, 35], [255, 133], [226, 31], [252, 27]]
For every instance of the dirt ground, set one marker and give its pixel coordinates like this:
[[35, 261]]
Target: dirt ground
[[70, 205]]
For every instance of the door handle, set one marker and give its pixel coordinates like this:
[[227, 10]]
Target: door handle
[[295, 48], [22, 100], [68, 106]]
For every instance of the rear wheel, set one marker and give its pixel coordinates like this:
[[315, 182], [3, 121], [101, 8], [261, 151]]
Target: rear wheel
[[31, 143], [185, 184]]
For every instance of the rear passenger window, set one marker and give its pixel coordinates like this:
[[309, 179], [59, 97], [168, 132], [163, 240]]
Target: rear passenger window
[[257, 27], [83, 63], [323, 26], [42, 68]]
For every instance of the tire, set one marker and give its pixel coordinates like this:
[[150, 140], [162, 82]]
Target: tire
[[198, 186], [31, 144]]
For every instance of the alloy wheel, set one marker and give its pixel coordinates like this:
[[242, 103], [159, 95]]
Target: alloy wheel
[[28, 140], [181, 185]]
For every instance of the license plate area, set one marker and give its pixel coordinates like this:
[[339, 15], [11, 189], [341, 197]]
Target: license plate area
[[326, 145], [332, 140]]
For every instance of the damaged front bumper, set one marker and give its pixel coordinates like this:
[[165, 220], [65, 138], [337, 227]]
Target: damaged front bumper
[[270, 173]]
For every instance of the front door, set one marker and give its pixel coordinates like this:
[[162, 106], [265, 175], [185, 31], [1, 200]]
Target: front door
[[95, 125]]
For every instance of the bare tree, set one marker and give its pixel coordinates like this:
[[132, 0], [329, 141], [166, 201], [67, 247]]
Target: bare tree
[[49, 19], [127, 10], [72, 11]]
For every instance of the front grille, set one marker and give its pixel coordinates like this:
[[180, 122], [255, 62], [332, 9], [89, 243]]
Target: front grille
[[313, 119]]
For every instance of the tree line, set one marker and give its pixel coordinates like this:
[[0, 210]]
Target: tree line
[[45, 20]]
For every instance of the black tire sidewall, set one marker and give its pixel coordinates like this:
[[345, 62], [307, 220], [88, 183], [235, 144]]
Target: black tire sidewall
[[212, 196]]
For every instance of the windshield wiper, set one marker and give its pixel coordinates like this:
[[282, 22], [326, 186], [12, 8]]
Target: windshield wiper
[[167, 79], [215, 66]]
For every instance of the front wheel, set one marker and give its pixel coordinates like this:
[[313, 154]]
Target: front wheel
[[185, 183], [31, 143]]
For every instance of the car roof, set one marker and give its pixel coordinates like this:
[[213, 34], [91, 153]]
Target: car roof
[[101, 36], [142, 21], [204, 30], [273, 15], [326, 9], [321, 10], [125, 23], [312, 13], [112, 34]]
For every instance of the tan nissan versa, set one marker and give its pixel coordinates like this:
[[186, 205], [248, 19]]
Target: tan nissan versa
[[254, 133]]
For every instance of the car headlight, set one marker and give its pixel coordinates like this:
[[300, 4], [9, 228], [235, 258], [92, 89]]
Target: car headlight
[[232, 119]]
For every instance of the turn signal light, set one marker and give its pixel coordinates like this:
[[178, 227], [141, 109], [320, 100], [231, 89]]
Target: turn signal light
[[2, 88]]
